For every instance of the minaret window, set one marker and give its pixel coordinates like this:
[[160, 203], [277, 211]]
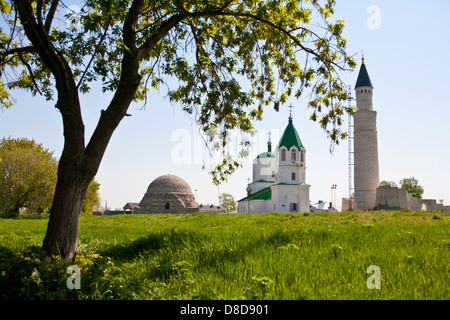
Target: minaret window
[[293, 155], [283, 154]]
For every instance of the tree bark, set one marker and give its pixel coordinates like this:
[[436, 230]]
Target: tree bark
[[62, 231]]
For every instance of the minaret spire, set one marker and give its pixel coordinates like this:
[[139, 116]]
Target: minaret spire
[[363, 76]]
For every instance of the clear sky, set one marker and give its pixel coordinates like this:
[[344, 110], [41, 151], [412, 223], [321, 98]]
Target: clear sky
[[406, 45]]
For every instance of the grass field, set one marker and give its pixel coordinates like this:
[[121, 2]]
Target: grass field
[[228, 256]]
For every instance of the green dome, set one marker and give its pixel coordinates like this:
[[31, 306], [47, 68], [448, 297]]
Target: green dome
[[266, 155]]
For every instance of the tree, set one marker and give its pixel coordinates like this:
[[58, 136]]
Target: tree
[[388, 183], [412, 186], [27, 176], [227, 201], [92, 198], [131, 46]]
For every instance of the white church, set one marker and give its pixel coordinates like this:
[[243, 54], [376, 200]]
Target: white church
[[279, 178]]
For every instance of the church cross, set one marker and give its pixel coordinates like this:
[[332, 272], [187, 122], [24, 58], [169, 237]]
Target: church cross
[[290, 111]]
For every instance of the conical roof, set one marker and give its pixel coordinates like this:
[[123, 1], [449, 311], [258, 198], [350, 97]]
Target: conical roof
[[290, 137], [363, 78]]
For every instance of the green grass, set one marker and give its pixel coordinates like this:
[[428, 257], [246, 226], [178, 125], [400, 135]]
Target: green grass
[[226, 256]]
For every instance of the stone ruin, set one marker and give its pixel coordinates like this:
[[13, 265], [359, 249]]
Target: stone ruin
[[168, 194], [394, 198]]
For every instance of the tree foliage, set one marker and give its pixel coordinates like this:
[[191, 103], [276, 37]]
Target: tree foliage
[[227, 201], [92, 198], [27, 176], [388, 183], [230, 58], [412, 186]]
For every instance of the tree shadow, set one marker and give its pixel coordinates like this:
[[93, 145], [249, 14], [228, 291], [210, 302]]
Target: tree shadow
[[154, 242]]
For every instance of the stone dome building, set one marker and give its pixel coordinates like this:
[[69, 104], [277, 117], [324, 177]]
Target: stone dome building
[[168, 194]]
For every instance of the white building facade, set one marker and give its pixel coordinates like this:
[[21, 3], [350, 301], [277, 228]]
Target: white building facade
[[279, 178]]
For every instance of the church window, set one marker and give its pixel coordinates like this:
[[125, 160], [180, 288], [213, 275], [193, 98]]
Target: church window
[[293, 155], [283, 154], [167, 206], [293, 176], [302, 156]]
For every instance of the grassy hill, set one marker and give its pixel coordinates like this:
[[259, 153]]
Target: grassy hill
[[229, 256]]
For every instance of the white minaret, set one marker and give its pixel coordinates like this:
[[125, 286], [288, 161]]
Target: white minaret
[[366, 172]]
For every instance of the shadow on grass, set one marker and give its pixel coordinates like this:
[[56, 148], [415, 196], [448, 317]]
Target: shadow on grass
[[170, 240], [174, 240]]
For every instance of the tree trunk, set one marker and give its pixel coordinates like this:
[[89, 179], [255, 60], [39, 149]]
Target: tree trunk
[[62, 231]]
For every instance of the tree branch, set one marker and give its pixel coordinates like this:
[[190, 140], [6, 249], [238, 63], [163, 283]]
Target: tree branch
[[50, 15], [129, 25], [27, 49], [68, 101], [163, 30], [39, 7], [40, 41], [94, 54], [31, 73]]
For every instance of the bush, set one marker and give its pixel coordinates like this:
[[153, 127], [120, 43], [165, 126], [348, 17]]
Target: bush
[[31, 275]]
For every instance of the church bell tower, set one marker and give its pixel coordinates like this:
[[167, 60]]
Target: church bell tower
[[366, 171]]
